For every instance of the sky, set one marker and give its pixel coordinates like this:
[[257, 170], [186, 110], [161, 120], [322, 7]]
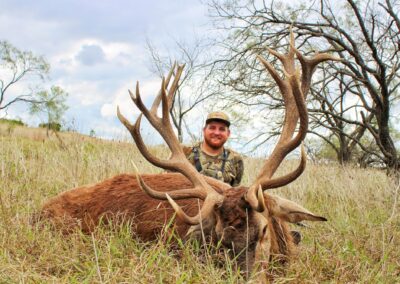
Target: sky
[[97, 51]]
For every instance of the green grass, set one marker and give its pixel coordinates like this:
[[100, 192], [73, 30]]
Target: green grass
[[359, 244]]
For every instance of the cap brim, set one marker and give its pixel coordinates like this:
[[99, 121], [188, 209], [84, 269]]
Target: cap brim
[[227, 123]]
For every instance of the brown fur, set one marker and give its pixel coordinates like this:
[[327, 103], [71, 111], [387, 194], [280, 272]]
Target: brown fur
[[120, 197], [282, 245]]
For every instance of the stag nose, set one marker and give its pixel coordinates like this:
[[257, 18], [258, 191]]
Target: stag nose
[[227, 236]]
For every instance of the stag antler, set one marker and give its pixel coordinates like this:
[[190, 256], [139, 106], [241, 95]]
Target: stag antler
[[177, 161], [294, 94]]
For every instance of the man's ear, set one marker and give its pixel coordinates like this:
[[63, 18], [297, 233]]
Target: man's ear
[[288, 210], [229, 132]]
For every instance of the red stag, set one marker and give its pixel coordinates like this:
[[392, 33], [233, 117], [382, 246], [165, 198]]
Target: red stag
[[248, 221]]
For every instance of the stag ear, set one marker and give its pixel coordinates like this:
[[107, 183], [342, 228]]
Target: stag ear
[[289, 210]]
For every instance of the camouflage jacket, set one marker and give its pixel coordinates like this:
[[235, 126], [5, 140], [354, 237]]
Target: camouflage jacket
[[230, 171]]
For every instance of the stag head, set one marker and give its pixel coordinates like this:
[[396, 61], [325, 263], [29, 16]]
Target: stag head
[[246, 220]]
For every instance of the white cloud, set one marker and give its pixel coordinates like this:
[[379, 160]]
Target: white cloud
[[90, 55], [85, 93], [108, 110]]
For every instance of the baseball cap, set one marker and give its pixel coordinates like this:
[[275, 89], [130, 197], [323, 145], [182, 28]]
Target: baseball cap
[[218, 116]]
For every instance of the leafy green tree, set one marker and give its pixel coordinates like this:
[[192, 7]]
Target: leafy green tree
[[92, 133], [16, 66], [53, 105]]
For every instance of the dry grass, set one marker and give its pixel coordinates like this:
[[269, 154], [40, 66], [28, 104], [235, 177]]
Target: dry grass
[[359, 244]]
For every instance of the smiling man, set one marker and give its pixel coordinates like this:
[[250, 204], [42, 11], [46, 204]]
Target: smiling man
[[210, 157]]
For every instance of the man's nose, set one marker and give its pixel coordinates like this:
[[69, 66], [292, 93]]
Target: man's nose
[[217, 131]]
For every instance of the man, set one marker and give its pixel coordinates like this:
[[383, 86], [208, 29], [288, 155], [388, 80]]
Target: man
[[210, 157]]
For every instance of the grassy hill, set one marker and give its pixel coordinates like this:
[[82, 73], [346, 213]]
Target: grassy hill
[[359, 244]]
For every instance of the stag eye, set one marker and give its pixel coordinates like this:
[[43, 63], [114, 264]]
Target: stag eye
[[265, 230], [245, 205], [217, 206]]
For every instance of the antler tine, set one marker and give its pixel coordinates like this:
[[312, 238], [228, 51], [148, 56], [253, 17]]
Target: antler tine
[[135, 132], [288, 178], [288, 58], [137, 100], [143, 148], [281, 83], [172, 90], [176, 194], [308, 66], [175, 84], [157, 100], [205, 211]]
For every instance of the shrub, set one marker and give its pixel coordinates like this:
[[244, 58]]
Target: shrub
[[13, 122], [51, 125]]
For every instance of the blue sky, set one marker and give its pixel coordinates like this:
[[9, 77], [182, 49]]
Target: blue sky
[[97, 51]]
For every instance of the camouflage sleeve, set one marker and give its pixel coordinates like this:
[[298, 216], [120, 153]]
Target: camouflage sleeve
[[239, 167]]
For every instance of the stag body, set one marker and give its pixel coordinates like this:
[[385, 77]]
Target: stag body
[[247, 221], [121, 199], [234, 223]]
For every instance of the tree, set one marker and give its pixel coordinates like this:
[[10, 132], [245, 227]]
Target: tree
[[364, 34], [15, 66], [53, 106], [192, 90], [334, 118]]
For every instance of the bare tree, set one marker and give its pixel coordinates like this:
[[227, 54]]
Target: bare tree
[[15, 66], [192, 90], [335, 120], [364, 34]]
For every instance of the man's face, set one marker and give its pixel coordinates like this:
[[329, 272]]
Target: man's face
[[215, 134]]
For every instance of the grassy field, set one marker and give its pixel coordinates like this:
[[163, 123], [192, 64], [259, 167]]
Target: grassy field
[[359, 244]]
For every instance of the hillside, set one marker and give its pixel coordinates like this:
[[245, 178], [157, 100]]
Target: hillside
[[359, 244]]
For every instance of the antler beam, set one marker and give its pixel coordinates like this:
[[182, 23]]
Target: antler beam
[[177, 161], [294, 88]]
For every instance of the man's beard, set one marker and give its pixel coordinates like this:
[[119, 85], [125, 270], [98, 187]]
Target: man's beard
[[214, 145]]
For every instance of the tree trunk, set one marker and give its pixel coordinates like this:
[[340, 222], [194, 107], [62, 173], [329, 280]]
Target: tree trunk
[[344, 153]]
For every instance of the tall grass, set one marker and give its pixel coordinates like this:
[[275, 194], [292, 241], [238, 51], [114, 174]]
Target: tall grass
[[359, 244]]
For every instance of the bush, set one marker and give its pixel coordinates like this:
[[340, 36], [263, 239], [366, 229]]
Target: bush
[[13, 122], [51, 125]]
